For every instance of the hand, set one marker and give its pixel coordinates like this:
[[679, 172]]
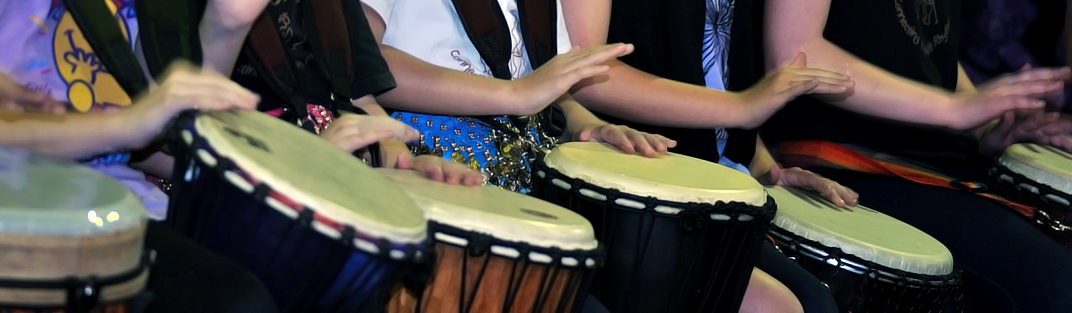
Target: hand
[[1022, 90], [439, 169], [785, 84], [351, 132], [548, 82], [184, 87], [1052, 129], [839, 195], [16, 97], [626, 139]]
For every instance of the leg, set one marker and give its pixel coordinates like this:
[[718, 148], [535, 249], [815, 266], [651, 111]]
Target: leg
[[814, 297], [766, 294], [1008, 265]]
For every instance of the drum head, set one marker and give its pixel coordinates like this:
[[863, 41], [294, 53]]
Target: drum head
[[860, 231], [48, 197], [672, 177], [310, 172], [500, 213], [1043, 164]]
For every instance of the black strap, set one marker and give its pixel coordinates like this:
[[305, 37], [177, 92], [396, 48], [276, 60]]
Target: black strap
[[100, 29], [169, 31], [331, 46], [486, 27], [265, 49]]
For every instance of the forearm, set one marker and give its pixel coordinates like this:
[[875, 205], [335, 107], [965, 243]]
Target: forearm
[[577, 117], [426, 88], [792, 26], [631, 94], [877, 92], [222, 37], [761, 163], [637, 96], [69, 136]]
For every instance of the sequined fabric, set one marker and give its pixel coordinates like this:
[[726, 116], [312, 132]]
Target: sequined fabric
[[502, 156], [318, 115]]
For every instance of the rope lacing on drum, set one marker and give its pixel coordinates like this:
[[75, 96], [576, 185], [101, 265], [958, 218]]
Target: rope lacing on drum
[[84, 294], [1025, 196], [694, 218], [547, 279]]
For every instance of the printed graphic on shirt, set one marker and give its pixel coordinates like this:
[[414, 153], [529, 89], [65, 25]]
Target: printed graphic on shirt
[[921, 22], [90, 87]]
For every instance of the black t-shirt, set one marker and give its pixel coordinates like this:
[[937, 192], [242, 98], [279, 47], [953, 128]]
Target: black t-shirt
[[371, 74], [916, 39], [668, 40]]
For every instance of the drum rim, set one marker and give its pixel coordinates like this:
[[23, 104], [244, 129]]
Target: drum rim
[[667, 208], [659, 190], [580, 234], [198, 148], [69, 284], [1002, 175], [1005, 160], [797, 218], [131, 213], [859, 266], [448, 234]]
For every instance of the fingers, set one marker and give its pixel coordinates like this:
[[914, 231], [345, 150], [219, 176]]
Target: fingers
[[628, 140], [837, 194], [639, 142], [1029, 74], [589, 62], [439, 169], [352, 131]]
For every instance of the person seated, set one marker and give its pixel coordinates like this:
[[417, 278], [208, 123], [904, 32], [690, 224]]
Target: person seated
[[224, 30], [679, 87], [492, 116], [914, 106]]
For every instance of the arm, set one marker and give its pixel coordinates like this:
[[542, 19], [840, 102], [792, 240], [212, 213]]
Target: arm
[[223, 30], [69, 136], [76, 136], [426, 88], [632, 94], [794, 25]]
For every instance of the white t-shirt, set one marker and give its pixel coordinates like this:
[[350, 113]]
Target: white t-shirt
[[430, 30]]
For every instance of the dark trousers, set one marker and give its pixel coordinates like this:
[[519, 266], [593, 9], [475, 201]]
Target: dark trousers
[[189, 278], [812, 294]]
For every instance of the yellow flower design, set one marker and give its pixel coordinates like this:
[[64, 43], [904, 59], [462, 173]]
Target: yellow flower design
[[90, 85]]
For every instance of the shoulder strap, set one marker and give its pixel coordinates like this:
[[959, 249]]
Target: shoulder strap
[[539, 28], [486, 27], [265, 49], [100, 29], [331, 45], [168, 32]]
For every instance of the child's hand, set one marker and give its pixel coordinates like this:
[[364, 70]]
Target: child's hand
[[535, 91], [626, 139], [779, 87], [439, 169], [351, 132]]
